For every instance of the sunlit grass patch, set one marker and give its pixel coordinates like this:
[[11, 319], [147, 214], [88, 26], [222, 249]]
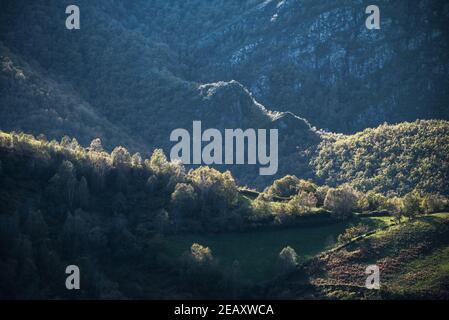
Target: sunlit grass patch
[[430, 272]]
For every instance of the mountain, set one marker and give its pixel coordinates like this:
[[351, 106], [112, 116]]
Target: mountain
[[362, 120], [318, 60], [133, 87], [133, 66]]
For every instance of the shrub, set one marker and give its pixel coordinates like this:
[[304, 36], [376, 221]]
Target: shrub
[[288, 260]]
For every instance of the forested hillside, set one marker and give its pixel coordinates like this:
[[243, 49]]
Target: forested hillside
[[388, 159], [62, 204]]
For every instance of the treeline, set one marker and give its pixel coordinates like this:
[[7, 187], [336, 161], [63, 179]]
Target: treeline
[[306, 199], [169, 199]]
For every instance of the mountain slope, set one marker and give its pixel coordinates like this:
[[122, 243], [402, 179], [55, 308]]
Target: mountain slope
[[318, 60], [128, 76], [412, 258], [133, 73], [33, 101]]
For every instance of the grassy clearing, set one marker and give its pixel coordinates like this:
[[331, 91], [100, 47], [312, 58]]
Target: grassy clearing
[[377, 222], [257, 251]]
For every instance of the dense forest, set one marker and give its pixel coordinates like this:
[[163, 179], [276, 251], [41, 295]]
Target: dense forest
[[62, 203], [388, 159]]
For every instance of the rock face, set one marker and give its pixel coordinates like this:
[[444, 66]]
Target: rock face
[[318, 60]]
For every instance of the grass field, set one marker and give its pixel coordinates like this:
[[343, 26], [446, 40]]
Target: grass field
[[427, 272], [257, 251]]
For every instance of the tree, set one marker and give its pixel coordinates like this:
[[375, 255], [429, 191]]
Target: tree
[[136, 160], [183, 203], [96, 145], [162, 220], [376, 201], [35, 226], [65, 179], [261, 210], [200, 254], [169, 173], [307, 186], [119, 204], [320, 194], [412, 204], [341, 201], [100, 165], [395, 206], [217, 193], [432, 203], [199, 268], [120, 157], [304, 200], [42, 138], [74, 145], [288, 260], [65, 142], [83, 193], [362, 202], [285, 187], [73, 234]]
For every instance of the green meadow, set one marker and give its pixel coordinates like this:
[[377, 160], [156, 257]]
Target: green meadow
[[257, 251]]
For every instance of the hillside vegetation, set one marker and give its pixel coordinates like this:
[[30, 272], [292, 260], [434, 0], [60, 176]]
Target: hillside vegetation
[[412, 257], [388, 159], [62, 204]]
